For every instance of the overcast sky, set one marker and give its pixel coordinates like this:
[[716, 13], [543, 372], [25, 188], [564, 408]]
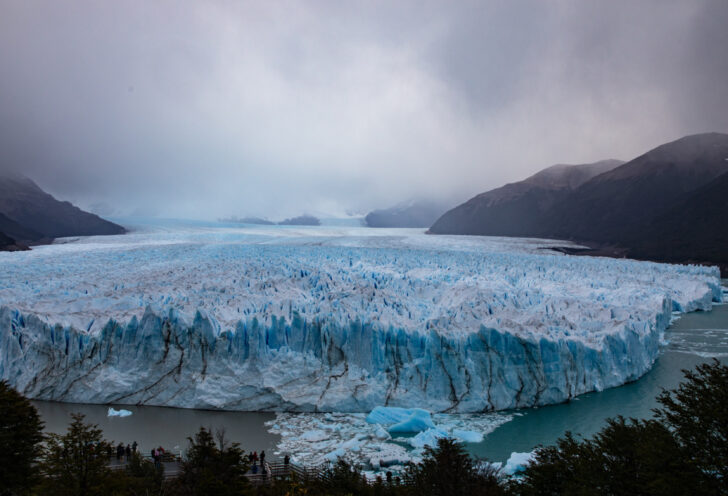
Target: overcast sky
[[206, 109]]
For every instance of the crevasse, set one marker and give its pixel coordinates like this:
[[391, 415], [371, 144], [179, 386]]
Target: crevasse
[[332, 323], [313, 365]]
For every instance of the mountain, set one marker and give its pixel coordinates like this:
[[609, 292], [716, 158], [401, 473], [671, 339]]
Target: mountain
[[247, 220], [16, 231], [694, 230], [413, 214], [301, 220], [27, 213], [668, 204], [617, 207], [518, 209]]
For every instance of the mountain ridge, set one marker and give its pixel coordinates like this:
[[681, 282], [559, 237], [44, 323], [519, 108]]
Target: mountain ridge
[[29, 215], [627, 209]]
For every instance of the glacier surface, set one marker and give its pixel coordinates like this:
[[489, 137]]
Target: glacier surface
[[330, 319]]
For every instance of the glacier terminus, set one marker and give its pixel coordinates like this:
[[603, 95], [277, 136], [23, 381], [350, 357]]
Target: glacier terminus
[[331, 319]]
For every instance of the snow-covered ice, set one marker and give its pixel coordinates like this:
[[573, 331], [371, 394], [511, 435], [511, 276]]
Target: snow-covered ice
[[330, 319]]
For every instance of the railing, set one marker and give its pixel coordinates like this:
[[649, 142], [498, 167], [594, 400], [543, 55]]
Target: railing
[[275, 469], [279, 470]]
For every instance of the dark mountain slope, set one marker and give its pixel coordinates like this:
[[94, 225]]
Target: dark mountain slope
[[16, 231], [617, 206], [35, 210], [694, 230], [414, 214], [521, 208]]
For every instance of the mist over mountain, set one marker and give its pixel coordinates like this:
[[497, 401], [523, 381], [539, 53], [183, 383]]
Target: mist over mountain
[[521, 208], [222, 108], [664, 205], [419, 213], [301, 220]]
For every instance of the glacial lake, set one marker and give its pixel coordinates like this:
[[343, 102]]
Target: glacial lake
[[693, 339]]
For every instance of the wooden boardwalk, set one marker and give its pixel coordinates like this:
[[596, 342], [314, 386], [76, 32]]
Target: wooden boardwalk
[[276, 469]]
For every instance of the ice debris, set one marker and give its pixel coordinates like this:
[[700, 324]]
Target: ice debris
[[314, 439]]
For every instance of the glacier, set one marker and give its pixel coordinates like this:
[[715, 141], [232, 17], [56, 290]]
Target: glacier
[[331, 319]]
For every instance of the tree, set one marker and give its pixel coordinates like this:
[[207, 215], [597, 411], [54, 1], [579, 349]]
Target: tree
[[639, 458], [142, 477], [342, 478], [76, 464], [211, 469], [448, 470], [697, 412], [21, 435]]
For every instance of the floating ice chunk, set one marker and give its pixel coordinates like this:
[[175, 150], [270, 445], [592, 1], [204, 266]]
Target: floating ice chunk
[[381, 433], [467, 436], [314, 436], [418, 421], [427, 438], [335, 455], [388, 415], [517, 462], [118, 413]]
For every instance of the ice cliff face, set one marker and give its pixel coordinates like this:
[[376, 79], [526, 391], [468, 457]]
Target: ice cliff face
[[331, 320]]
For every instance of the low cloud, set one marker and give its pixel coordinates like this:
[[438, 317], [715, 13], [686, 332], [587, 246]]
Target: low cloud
[[272, 109]]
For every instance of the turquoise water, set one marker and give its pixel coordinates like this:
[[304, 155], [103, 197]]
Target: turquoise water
[[693, 339]]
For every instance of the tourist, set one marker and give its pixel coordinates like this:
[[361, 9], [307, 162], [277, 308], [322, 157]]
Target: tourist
[[286, 460], [262, 457], [127, 451], [134, 447], [254, 469]]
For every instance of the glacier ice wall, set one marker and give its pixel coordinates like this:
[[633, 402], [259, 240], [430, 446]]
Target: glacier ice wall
[[235, 321]]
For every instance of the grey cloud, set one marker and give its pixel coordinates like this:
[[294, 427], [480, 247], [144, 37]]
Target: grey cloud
[[266, 108]]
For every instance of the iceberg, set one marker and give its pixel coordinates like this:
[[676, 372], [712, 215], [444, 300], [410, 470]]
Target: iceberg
[[331, 320], [118, 413], [467, 436], [517, 462], [388, 415], [419, 420], [405, 420], [428, 437]]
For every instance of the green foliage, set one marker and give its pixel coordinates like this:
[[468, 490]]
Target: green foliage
[[212, 469], [342, 479], [697, 412], [76, 464], [635, 457], [448, 470], [142, 478], [21, 435]]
